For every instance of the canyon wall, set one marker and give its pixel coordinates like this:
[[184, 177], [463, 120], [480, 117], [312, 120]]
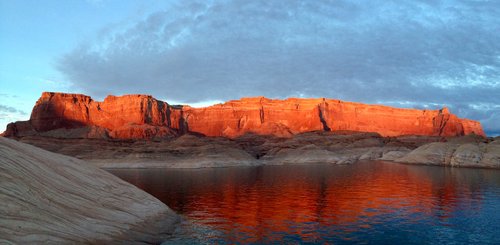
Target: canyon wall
[[142, 116]]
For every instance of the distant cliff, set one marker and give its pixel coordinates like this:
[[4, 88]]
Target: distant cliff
[[142, 116]]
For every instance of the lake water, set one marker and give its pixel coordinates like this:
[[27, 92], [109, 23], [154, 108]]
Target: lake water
[[366, 202]]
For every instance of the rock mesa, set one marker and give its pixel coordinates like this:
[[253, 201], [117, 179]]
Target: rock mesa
[[142, 116]]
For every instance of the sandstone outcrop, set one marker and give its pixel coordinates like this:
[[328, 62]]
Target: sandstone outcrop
[[334, 148], [293, 116], [50, 198], [195, 151], [340, 147], [143, 117], [464, 152], [187, 151]]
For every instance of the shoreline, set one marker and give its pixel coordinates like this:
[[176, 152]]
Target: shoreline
[[190, 151], [145, 167]]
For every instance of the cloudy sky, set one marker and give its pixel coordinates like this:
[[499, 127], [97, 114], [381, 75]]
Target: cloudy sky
[[418, 54]]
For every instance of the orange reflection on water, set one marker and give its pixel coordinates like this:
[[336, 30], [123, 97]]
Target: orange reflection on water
[[268, 203]]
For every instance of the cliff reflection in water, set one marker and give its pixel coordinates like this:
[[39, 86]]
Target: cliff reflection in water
[[359, 202]]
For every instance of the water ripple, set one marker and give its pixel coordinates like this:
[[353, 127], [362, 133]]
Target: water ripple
[[368, 202]]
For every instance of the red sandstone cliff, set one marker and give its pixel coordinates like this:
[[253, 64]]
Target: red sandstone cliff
[[142, 116], [129, 116]]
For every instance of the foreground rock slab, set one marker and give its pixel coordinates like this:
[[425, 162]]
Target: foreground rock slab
[[50, 198]]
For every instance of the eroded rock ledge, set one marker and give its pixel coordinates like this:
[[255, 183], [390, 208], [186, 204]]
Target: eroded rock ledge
[[341, 147], [457, 152], [50, 198]]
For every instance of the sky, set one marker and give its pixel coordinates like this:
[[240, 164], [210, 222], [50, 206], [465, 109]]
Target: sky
[[424, 54]]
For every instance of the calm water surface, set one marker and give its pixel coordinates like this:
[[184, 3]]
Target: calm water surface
[[367, 202]]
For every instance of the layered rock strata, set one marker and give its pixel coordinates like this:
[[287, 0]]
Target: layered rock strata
[[191, 151], [143, 117], [459, 152], [340, 147], [50, 198]]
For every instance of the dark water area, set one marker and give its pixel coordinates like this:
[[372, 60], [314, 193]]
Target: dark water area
[[366, 202]]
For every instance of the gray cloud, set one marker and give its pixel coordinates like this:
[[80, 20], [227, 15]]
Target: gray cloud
[[5, 110], [413, 52], [10, 114]]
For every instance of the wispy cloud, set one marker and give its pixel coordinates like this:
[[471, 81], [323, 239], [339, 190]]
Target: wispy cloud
[[2, 95], [10, 109], [10, 114]]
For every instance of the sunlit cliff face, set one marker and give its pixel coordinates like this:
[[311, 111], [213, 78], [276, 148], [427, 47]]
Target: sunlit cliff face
[[266, 203], [142, 116]]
